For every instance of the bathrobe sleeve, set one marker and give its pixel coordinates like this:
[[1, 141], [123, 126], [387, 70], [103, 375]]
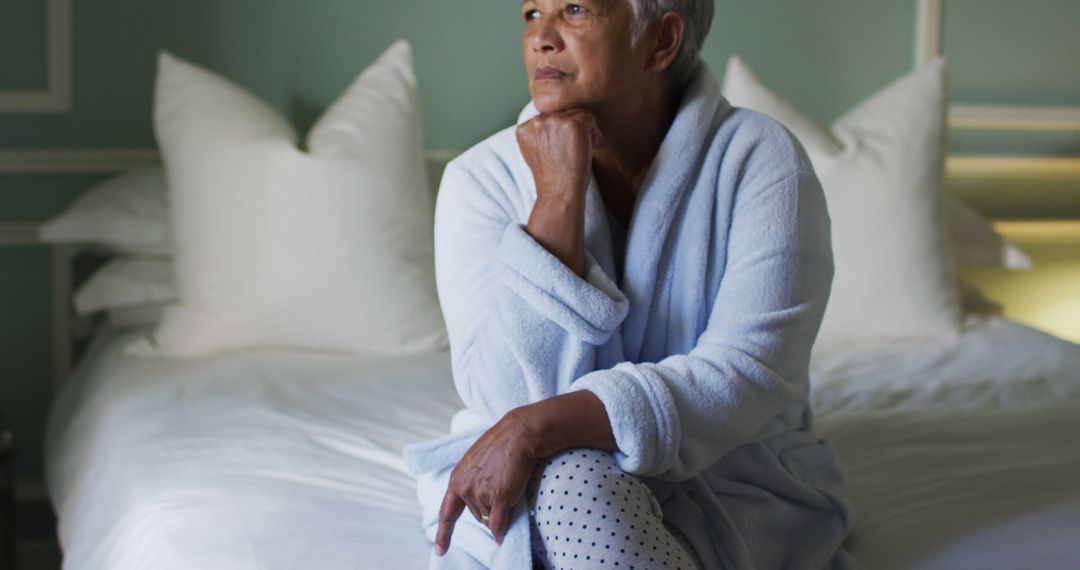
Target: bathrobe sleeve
[[673, 418], [522, 325]]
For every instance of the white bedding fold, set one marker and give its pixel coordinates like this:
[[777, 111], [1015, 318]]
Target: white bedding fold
[[995, 363], [259, 460]]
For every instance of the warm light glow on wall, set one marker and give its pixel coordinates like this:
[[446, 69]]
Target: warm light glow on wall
[[1047, 298]]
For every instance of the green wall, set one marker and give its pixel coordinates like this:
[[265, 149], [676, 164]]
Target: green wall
[[21, 23], [1004, 51], [825, 55]]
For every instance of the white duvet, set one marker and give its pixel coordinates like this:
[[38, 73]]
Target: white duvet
[[959, 456]]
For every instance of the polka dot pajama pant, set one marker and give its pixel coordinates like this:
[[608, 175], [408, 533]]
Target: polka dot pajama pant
[[587, 513]]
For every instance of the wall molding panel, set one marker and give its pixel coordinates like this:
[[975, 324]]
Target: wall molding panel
[[57, 96], [929, 40], [19, 234], [1014, 118], [105, 161], [75, 161], [1019, 168], [1040, 232]]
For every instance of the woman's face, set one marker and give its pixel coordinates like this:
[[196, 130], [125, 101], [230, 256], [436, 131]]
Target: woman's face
[[579, 54]]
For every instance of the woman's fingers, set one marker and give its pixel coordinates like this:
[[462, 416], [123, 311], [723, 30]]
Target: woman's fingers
[[488, 481], [476, 512], [581, 115], [449, 513], [596, 138], [499, 520], [558, 150]]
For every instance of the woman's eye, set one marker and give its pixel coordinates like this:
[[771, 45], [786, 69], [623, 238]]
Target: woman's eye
[[575, 10]]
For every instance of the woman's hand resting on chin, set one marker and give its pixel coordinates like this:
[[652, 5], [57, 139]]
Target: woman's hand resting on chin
[[558, 148]]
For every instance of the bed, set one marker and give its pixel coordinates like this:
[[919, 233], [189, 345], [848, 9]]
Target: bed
[[957, 456], [959, 450]]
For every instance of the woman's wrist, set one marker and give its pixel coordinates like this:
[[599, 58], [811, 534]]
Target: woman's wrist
[[557, 223], [570, 421]]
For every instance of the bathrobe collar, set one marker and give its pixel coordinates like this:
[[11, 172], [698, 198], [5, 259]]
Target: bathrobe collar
[[669, 178]]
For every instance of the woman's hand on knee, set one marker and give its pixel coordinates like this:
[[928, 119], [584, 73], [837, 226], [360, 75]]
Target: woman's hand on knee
[[490, 479]]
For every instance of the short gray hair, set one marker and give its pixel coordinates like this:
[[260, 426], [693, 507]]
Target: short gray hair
[[698, 15]]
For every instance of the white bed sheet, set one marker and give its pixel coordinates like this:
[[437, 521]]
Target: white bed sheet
[[995, 363], [252, 461], [954, 455], [962, 454]]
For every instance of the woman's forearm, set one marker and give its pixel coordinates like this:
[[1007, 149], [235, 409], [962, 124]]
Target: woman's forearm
[[558, 149], [557, 222], [570, 421]]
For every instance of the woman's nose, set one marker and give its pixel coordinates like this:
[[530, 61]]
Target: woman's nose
[[545, 36]]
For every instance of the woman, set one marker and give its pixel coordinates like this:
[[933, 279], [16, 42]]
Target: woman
[[632, 279]]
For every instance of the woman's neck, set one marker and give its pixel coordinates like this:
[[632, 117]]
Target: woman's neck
[[633, 129]]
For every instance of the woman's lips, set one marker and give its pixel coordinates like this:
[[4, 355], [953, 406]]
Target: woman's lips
[[548, 72]]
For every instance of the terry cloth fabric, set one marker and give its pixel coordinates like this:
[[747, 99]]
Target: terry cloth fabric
[[700, 355]]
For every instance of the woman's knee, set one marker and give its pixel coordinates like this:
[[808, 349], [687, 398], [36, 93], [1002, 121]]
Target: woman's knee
[[589, 482], [587, 512]]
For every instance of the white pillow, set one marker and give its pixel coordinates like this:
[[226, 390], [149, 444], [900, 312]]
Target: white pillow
[[128, 213], [882, 167], [126, 282], [125, 214], [973, 238], [328, 249]]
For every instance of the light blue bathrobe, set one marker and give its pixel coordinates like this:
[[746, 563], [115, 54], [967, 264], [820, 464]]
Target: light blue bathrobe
[[700, 355]]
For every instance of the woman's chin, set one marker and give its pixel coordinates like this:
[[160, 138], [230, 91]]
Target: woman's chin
[[548, 103]]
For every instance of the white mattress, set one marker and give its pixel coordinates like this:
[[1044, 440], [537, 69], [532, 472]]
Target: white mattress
[[955, 455]]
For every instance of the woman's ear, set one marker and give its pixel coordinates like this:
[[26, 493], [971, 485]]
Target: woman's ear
[[670, 31]]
